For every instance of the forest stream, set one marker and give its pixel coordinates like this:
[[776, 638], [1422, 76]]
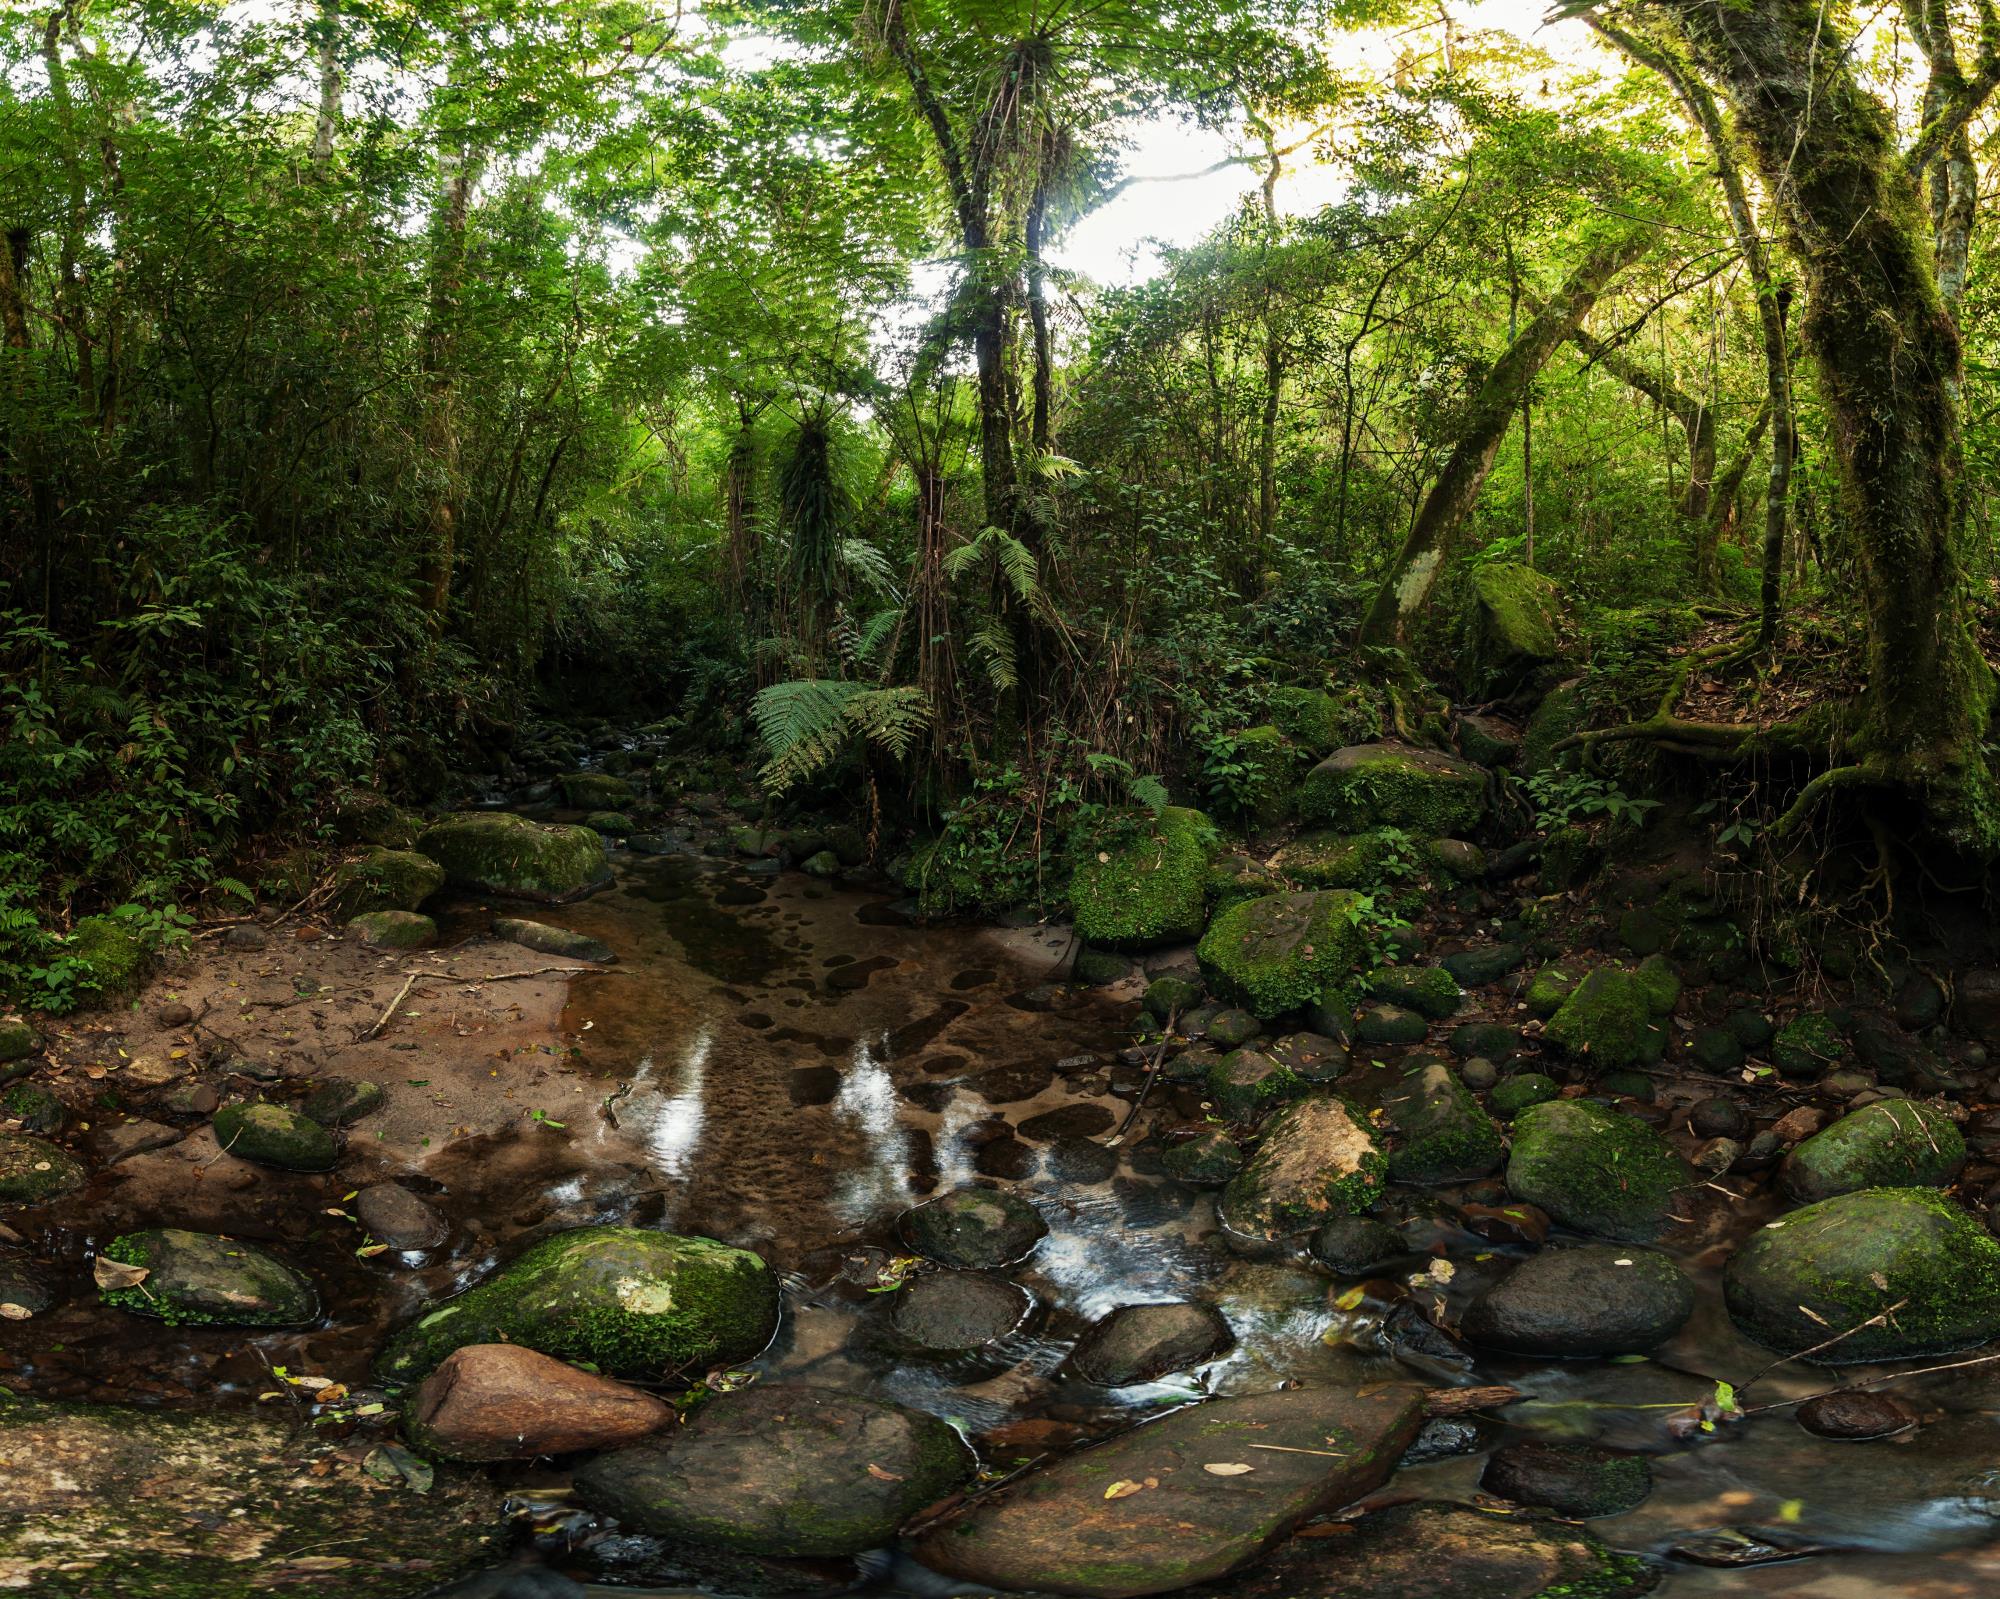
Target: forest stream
[[793, 1065]]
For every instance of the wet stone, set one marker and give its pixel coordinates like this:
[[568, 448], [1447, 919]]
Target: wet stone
[[1207, 1159], [23, 1289], [1070, 1121], [1479, 1074], [1231, 1027], [207, 1280], [1570, 1479], [1008, 1159], [274, 1135], [1591, 1300], [1390, 1024], [33, 1170], [1246, 1083], [1357, 1246], [1856, 1416], [1082, 1160], [502, 1402], [396, 1217], [1718, 1118], [947, 1312], [134, 1136], [339, 1103], [1515, 1223], [35, 1107], [1310, 1057], [974, 1227], [1142, 1343]]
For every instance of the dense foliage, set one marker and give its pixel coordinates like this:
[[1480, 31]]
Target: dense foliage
[[371, 373]]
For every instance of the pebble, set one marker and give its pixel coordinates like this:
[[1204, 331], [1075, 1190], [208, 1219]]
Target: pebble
[[396, 1217], [1856, 1416]]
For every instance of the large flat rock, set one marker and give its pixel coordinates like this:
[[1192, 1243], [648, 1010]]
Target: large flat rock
[[1148, 1512]]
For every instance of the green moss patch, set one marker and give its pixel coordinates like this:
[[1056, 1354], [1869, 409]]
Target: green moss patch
[[1607, 1018], [1284, 952], [1149, 888], [1395, 785], [498, 853], [1595, 1170], [1895, 1143]]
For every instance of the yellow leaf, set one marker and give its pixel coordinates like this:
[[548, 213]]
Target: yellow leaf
[[1227, 1468], [1121, 1490], [112, 1275]]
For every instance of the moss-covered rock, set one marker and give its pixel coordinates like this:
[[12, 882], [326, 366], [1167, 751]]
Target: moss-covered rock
[[150, 1503], [17, 1042], [1659, 984], [1206, 1160], [1395, 785], [1171, 996], [1317, 1160], [496, 853], [1234, 876], [782, 1469], [1550, 986], [1828, 1268], [559, 941], [1383, 1023], [363, 816], [1607, 1018], [385, 880], [202, 1280], [274, 1135], [1522, 1091], [616, 824], [393, 930], [1496, 1041], [1595, 1170], [344, 1101], [1441, 1135], [35, 1107], [594, 791], [1895, 1143], [1284, 951], [1146, 889], [116, 957], [1560, 714], [1270, 763], [632, 1302], [1231, 1027], [1340, 860], [1322, 722], [33, 1170], [1517, 615], [1246, 1083], [1429, 990], [1571, 855], [1808, 1046]]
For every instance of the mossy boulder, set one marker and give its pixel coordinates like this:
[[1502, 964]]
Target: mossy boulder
[[1659, 984], [1234, 876], [1441, 1135], [33, 1170], [1516, 622], [1147, 888], [1595, 1170], [616, 824], [783, 1470], [274, 1135], [1058, 1528], [1284, 952], [1429, 990], [1607, 1017], [1523, 1091], [594, 791], [115, 957], [632, 1302], [1422, 791], [363, 816], [36, 1107], [17, 1042], [203, 1280], [1561, 713], [1808, 1046], [1207, 1160], [148, 1503], [1571, 855], [1246, 1083], [1270, 762], [1895, 1143], [1383, 1023], [393, 930], [1340, 860], [974, 1228], [1311, 717], [1171, 996], [1815, 1274], [1552, 985], [496, 853], [1317, 1160], [385, 880]]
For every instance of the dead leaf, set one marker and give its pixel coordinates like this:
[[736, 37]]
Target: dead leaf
[[1122, 1490], [112, 1275], [393, 1464], [1227, 1468], [880, 1475], [14, 1312]]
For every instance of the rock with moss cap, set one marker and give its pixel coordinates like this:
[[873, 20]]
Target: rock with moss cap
[[204, 1280], [1269, 763], [385, 880], [33, 1170], [1057, 1530], [1895, 1143], [594, 791], [1149, 886], [274, 1135], [146, 1503], [1429, 990], [17, 1042], [1321, 723], [627, 1300], [1284, 952], [1825, 1270], [1550, 986], [1340, 860], [1808, 1046], [1445, 1551], [363, 816], [115, 957], [393, 930], [1517, 615], [1440, 1133], [1595, 1170], [782, 1469], [1317, 1160], [497, 853], [1607, 1018], [1523, 1091], [558, 941], [1395, 785], [974, 1228], [1207, 1160]]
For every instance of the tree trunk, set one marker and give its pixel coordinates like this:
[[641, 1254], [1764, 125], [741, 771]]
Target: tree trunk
[[458, 170], [1888, 361], [1414, 573], [326, 122], [1038, 318]]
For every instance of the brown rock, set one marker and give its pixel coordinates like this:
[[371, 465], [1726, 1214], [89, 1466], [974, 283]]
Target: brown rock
[[1856, 1415], [503, 1402], [1795, 1126]]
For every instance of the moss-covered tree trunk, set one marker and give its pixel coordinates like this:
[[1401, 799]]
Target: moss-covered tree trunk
[[1888, 361], [1414, 573]]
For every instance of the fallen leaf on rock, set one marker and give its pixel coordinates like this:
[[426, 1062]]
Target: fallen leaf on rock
[[14, 1312], [115, 1274], [1121, 1490], [1227, 1468], [880, 1475]]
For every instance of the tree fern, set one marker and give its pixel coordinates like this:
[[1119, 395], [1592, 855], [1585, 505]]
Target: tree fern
[[809, 723]]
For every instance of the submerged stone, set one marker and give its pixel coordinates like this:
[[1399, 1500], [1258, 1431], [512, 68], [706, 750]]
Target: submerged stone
[[782, 1469], [1141, 1343], [974, 1228], [1824, 1270], [558, 941], [630, 1301], [1569, 1478], [949, 1312], [1059, 1529], [202, 1279], [145, 1503], [33, 1170]]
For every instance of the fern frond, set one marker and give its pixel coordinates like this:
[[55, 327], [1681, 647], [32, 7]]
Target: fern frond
[[994, 645]]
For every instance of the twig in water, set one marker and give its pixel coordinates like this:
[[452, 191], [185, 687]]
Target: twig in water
[[415, 978], [1876, 1320], [1145, 1088]]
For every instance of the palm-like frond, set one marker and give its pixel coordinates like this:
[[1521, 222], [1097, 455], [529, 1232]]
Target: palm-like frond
[[808, 723]]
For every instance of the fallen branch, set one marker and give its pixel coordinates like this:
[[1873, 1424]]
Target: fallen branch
[[1458, 1401], [1861, 1385], [415, 978]]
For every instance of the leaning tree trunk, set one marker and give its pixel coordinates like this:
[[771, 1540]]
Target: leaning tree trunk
[[1409, 581], [1888, 361], [443, 447]]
